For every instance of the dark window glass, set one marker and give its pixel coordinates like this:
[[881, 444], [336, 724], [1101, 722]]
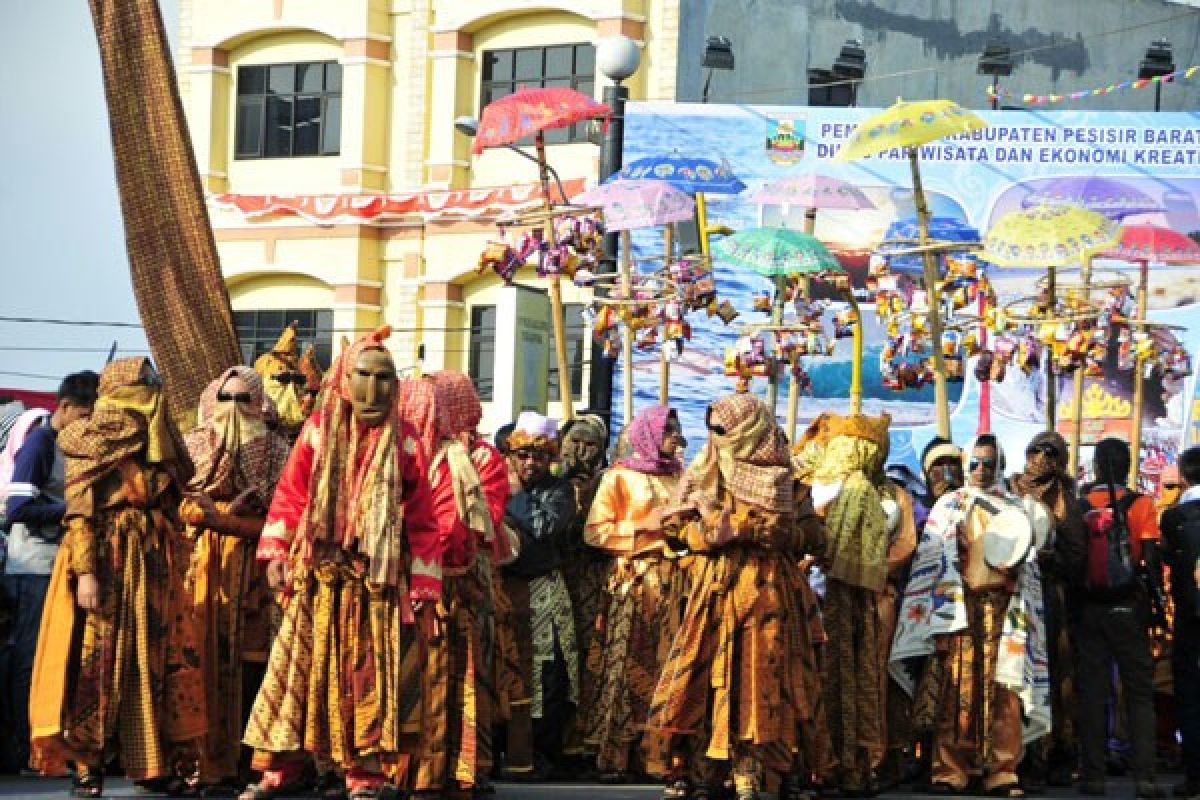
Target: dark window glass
[[259, 330], [527, 64], [287, 110], [585, 60], [481, 358], [497, 65], [560, 62], [571, 65], [576, 332]]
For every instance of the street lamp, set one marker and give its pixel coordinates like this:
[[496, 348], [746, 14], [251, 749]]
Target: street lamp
[[996, 60], [718, 54], [851, 65], [617, 57], [1158, 62], [469, 126]]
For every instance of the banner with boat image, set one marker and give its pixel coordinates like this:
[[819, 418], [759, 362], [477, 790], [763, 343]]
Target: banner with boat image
[[1023, 158]]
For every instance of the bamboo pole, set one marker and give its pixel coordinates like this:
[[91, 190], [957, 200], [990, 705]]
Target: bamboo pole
[[776, 319], [1077, 399], [1051, 377], [1139, 370], [941, 396], [556, 303], [793, 401], [627, 338], [664, 363], [856, 391], [702, 223]]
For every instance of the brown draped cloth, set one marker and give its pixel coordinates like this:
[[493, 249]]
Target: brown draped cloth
[[177, 282]]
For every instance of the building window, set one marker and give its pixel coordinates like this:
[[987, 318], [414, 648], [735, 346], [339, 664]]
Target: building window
[[259, 330], [569, 65], [481, 358], [287, 110], [576, 330]]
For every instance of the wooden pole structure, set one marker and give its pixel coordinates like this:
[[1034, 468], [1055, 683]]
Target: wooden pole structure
[[664, 369], [941, 394], [1051, 377], [556, 303], [805, 287], [627, 338], [1139, 371], [1077, 400], [776, 320]]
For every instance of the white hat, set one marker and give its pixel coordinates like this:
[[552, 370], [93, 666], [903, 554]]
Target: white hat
[[1041, 519], [1007, 538], [535, 424]]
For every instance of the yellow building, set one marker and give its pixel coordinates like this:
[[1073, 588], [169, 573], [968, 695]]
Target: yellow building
[[324, 134]]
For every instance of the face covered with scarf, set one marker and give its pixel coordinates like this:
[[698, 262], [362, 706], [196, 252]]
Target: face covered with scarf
[[283, 381], [656, 439], [583, 445]]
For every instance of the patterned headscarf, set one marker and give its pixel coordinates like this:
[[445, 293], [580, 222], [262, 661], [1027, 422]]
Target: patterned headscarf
[[416, 402], [645, 434], [459, 409], [750, 459], [286, 396], [311, 369], [1047, 478], [356, 492], [129, 420], [234, 450]]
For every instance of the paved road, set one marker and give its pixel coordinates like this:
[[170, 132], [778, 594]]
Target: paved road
[[39, 788]]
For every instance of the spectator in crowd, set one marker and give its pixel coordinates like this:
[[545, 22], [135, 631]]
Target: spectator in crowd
[[35, 508]]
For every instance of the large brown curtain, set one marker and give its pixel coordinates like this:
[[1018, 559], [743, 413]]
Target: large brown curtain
[[181, 297]]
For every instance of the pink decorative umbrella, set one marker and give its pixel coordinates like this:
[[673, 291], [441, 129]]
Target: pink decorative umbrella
[[813, 191], [630, 204]]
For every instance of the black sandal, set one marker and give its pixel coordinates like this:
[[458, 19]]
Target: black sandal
[[87, 783]]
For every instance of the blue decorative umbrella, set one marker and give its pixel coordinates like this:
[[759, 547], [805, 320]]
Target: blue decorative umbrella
[[904, 233], [688, 174]]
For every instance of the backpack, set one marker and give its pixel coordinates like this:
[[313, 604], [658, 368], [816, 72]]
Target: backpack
[[1110, 571]]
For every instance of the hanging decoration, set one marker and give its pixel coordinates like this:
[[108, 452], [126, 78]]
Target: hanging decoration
[[1186, 73], [576, 250]]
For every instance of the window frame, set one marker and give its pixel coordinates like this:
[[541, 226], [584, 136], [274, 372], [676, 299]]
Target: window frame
[[578, 353], [580, 81], [257, 100], [477, 339], [257, 336]]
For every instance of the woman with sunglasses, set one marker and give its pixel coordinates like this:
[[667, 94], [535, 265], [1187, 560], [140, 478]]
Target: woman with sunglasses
[[735, 690], [238, 460], [979, 618], [1045, 478]]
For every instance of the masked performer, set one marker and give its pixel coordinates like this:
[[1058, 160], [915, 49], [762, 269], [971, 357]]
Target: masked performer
[[733, 688], [352, 541], [636, 623], [870, 535], [100, 680], [284, 382], [541, 511], [313, 374], [238, 460], [585, 569], [974, 598]]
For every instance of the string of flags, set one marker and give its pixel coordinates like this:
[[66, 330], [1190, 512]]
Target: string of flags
[[1049, 99]]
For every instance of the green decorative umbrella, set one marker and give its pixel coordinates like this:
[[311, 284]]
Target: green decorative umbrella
[[778, 252]]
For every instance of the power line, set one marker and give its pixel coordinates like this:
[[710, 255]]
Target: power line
[[34, 349], [31, 375]]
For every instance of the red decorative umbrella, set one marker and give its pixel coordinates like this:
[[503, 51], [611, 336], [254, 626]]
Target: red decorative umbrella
[[1142, 244], [528, 112]]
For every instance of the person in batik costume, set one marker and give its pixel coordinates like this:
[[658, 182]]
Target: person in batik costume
[[238, 460], [351, 540], [108, 678], [457, 679], [1052, 759], [870, 536], [286, 383], [734, 689], [986, 626], [637, 622], [541, 512]]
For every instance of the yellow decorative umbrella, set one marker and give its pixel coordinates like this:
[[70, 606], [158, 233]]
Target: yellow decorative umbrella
[[1048, 237], [910, 125]]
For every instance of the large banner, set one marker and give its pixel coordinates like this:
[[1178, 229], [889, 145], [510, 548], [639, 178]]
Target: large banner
[[975, 178]]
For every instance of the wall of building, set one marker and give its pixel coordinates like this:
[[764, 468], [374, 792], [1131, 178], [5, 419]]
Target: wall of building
[[921, 49]]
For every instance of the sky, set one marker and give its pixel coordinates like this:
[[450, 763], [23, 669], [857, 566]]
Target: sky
[[61, 238]]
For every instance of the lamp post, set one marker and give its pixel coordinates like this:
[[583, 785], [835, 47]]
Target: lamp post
[[718, 54], [851, 65], [618, 57], [1158, 62], [996, 60]]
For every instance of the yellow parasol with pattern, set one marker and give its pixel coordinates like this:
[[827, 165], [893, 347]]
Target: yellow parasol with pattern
[[908, 126], [1048, 237]]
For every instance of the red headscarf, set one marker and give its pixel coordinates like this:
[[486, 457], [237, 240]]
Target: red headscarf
[[417, 404]]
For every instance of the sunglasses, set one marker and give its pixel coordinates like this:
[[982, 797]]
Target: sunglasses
[[1171, 485], [1048, 450], [986, 463], [528, 455], [234, 397], [290, 377]]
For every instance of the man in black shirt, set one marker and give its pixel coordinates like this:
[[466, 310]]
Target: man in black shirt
[[1181, 552]]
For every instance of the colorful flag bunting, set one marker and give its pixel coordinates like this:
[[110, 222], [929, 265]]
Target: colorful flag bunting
[[1141, 83]]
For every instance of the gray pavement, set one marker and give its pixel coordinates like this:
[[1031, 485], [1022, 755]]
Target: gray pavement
[[45, 788]]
